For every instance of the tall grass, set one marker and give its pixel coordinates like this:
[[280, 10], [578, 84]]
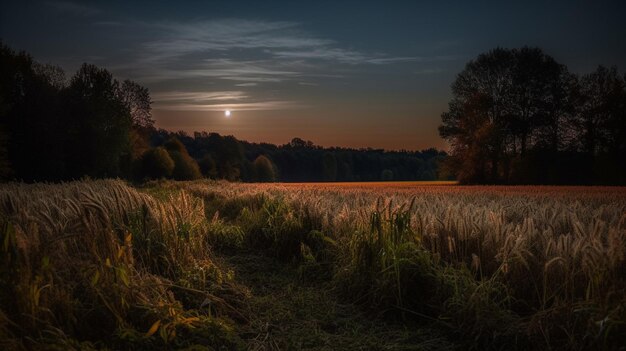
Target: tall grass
[[547, 263], [100, 264]]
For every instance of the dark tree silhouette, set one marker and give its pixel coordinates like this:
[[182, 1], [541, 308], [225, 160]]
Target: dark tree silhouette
[[98, 124], [264, 169], [185, 167], [207, 166], [137, 100], [156, 163], [518, 116], [30, 107]]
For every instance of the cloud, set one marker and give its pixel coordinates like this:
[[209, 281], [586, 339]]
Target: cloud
[[225, 69], [244, 106], [226, 34], [216, 101], [342, 56], [181, 96], [247, 52], [73, 8], [279, 40]]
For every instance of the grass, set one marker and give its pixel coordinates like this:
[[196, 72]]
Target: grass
[[396, 265]]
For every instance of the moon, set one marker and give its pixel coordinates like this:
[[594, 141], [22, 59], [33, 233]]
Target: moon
[[227, 113]]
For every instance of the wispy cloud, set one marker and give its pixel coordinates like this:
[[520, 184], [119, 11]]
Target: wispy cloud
[[278, 40], [246, 53], [244, 106], [73, 8], [200, 97], [228, 34], [341, 55], [217, 101], [223, 69]]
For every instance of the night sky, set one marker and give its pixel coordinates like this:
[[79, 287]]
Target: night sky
[[358, 74]]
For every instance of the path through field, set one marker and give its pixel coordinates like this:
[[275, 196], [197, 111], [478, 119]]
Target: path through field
[[287, 312]]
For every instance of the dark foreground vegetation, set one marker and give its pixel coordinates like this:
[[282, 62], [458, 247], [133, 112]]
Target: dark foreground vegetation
[[224, 266]]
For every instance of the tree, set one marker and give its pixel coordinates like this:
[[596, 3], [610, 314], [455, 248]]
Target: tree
[[603, 111], [30, 116], [185, 167], [264, 169], [137, 100], [5, 167], [207, 166], [601, 123], [330, 167], [98, 124], [386, 175], [504, 103], [156, 163]]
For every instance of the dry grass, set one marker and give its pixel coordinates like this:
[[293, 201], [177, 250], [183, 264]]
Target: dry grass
[[557, 253], [96, 264], [99, 261]]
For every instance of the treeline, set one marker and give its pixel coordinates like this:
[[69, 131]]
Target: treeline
[[519, 116], [301, 161], [53, 128]]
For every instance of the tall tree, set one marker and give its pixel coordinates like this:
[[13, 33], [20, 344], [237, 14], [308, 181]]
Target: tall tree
[[137, 100], [602, 113], [476, 121], [98, 124], [30, 114], [504, 103]]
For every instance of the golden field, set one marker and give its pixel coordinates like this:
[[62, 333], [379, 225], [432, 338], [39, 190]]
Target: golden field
[[399, 265]]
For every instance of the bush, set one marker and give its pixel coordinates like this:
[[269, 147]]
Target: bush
[[207, 166], [185, 167], [173, 144], [264, 169], [156, 163]]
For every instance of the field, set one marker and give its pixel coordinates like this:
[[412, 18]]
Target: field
[[99, 264]]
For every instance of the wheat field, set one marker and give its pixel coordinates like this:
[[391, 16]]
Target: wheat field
[[101, 264]]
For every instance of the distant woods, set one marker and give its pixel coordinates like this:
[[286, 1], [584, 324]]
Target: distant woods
[[53, 128], [518, 116]]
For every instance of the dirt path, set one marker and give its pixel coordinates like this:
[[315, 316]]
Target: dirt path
[[286, 312]]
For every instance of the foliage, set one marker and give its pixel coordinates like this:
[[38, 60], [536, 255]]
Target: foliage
[[96, 264], [518, 116], [114, 268], [301, 161], [156, 163], [185, 167], [264, 169], [499, 267]]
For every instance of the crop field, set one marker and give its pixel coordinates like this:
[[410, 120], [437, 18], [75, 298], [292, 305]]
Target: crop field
[[206, 265]]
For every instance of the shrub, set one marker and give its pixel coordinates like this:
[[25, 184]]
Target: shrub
[[185, 167], [264, 169], [156, 163]]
